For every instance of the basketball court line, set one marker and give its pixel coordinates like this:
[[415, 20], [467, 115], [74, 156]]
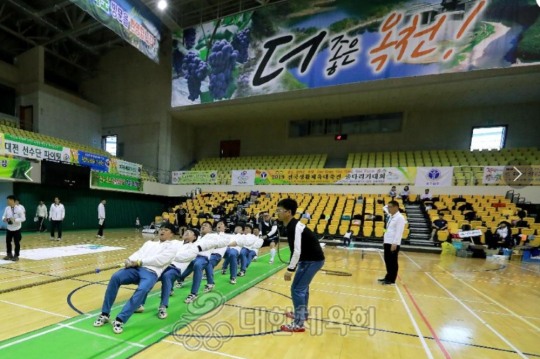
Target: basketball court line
[[503, 307], [493, 330], [205, 350], [35, 309], [411, 317], [134, 331]]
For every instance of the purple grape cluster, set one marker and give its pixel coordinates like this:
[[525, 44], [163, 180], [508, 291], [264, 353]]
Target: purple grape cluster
[[189, 37], [240, 43], [194, 70], [222, 61]]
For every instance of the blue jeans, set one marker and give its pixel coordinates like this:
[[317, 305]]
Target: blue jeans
[[231, 256], [305, 272], [169, 275], [196, 266], [246, 256], [209, 269], [145, 278]]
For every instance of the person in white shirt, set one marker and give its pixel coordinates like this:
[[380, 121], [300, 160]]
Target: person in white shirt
[[14, 216], [186, 252], [101, 218], [56, 216], [41, 215], [231, 255], [250, 250], [217, 254], [426, 196], [347, 238], [392, 242], [405, 194], [143, 268]]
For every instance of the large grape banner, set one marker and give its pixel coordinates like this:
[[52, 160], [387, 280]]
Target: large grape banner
[[306, 44]]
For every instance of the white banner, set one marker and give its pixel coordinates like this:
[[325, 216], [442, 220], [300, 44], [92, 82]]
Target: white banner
[[493, 174], [243, 178], [434, 176], [126, 168], [27, 150]]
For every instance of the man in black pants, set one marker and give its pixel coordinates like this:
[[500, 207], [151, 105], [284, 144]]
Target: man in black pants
[[307, 258], [13, 216], [392, 241]]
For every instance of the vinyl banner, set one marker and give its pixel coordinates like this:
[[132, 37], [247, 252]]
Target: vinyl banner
[[115, 181], [15, 169], [125, 168], [243, 178], [130, 20], [30, 148], [512, 175], [308, 44], [380, 175], [434, 176], [95, 162], [194, 177]]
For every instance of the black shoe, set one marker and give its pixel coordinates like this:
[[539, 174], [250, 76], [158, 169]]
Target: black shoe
[[387, 282], [382, 279], [8, 258], [15, 259]]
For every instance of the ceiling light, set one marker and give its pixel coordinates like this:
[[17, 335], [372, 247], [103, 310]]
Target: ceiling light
[[162, 4]]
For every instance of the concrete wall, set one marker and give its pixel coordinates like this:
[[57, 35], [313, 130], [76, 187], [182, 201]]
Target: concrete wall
[[421, 130], [134, 95]]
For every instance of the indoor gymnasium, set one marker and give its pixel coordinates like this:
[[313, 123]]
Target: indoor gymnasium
[[269, 178]]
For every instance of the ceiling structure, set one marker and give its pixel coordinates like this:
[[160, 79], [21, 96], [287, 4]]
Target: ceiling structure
[[74, 41]]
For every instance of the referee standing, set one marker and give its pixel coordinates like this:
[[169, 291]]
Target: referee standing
[[392, 242]]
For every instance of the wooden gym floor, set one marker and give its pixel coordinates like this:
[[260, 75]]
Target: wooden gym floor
[[440, 307]]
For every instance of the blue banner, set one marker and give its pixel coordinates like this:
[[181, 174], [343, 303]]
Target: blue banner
[[306, 44], [95, 162], [129, 19]]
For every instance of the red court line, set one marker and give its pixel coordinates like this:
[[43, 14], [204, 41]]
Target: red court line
[[437, 340]]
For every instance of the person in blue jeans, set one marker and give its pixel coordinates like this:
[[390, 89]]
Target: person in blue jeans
[[307, 258], [185, 254], [249, 251], [231, 256], [142, 268]]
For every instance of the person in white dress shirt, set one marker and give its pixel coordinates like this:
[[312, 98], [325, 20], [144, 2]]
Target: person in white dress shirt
[[101, 218], [392, 242]]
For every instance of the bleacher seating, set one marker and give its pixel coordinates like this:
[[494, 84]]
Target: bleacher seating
[[261, 162], [443, 158], [10, 127]]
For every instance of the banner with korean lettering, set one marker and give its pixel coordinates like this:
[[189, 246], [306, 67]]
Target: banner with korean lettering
[[125, 168], [95, 162], [434, 176], [300, 176], [129, 19], [380, 175], [30, 148], [306, 44], [194, 177], [115, 181], [243, 178]]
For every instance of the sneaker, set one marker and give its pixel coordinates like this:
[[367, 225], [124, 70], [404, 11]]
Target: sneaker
[[15, 259], [179, 284], [271, 261], [58, 239], [292, 328], [386, 282], [101, 320], [290, 315], [255, 259], [162, 313], [171, 293], [381, 280], [52, 238], [8, 258], [118, 326], [190, 298], [223, 271], [233, 281], [140, 309], [98, 236], [241, 273], [209, 287]]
